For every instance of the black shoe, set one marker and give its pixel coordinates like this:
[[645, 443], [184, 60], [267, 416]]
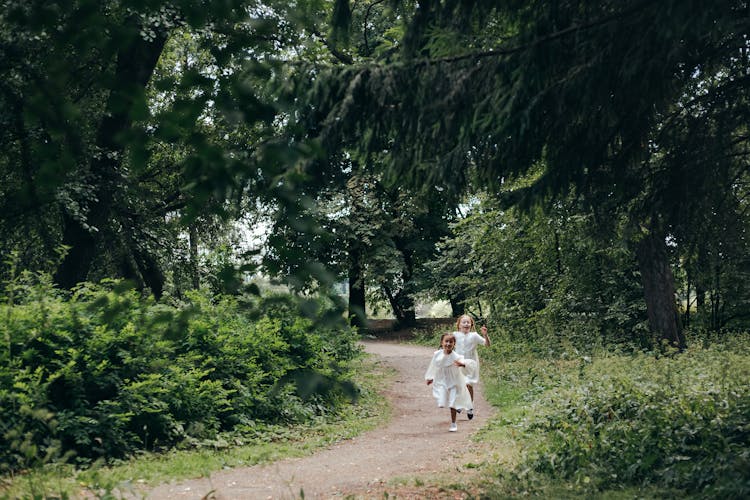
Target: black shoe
[[470, 414], [459, 410]]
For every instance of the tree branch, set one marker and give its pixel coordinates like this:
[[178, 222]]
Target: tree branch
[[541, 40], [364, 26], [341, 56]]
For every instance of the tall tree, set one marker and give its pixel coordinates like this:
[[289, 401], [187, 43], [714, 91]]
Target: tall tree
[[78, 78], [546, 274], [376, 234], [581, 90]]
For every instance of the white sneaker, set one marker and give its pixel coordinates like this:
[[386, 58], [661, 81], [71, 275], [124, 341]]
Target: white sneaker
[[453, 427]]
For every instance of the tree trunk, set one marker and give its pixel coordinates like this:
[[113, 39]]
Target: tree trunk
[[150, 271], [409, 318], [194, 275], [458, 305], [687, 299], [81, 248], [357, 315], [395, 306], [135, 65], [403, 307], [716, 298], [659, 289]]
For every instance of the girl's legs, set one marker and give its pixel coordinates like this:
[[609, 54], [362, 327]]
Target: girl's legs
[[470, 413], [453, 427]]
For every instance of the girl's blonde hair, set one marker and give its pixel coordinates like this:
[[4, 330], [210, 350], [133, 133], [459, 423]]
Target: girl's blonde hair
[[458, 322]]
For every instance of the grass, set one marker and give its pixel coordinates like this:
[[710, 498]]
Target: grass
[[523, 386], [271, 443], [548, 407]]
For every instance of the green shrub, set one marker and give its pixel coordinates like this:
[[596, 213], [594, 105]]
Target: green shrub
[[104, 372], [673, 422]]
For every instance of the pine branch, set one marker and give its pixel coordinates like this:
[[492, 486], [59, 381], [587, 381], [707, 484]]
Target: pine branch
[[542, 40]]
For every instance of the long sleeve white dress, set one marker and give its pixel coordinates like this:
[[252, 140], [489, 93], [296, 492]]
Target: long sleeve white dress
[[466, 346], [448, 382]]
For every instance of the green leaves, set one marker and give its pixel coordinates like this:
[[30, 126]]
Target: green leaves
[[311, 384], [640, 420], [106, 373]]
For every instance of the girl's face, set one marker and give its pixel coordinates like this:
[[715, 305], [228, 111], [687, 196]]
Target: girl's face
[[449, 342], [464, 324]]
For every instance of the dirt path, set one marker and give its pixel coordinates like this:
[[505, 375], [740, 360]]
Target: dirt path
[[415, 443]]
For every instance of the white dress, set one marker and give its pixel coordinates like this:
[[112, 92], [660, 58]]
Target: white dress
[[466, 346], [448, 382]]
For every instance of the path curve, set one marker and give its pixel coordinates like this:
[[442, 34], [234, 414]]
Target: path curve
[[415, 442]]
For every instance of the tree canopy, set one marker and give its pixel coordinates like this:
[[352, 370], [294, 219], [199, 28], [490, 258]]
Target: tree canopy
[[134, 131], [588, 97]]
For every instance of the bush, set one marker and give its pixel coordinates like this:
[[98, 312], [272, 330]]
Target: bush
[[673, 422], [104, 372]]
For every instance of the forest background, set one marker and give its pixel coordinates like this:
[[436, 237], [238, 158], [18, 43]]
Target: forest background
[[575, 174]]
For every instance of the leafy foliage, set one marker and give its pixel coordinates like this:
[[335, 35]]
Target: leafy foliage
[[549, 276], [105, 373], [122, 121], [600, 99], [609, 422], [672, 422]]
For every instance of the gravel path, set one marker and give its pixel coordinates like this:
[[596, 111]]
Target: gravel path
[[415, 443]]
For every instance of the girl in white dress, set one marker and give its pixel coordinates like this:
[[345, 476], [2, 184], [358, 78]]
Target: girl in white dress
[[448, 382], [467, 340]]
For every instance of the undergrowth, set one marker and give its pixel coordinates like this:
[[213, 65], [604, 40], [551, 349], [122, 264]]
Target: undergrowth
[[616, 425], [103, 375], [266, 443], [613, 423]]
